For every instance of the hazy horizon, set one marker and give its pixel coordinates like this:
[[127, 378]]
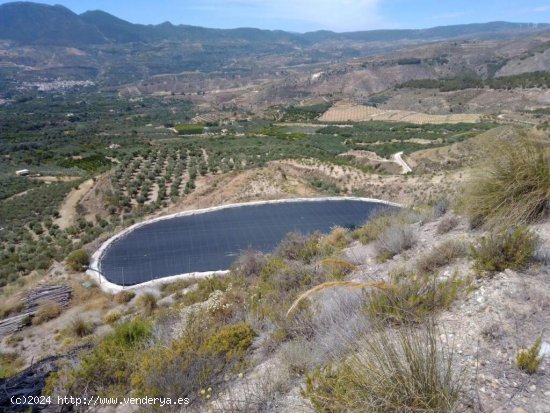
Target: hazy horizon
[[311, 15]]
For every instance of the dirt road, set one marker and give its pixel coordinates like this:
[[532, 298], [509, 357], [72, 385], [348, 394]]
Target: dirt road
[[67, 211], [397, 158]]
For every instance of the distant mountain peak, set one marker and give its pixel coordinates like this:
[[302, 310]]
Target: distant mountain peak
[[41, 24]]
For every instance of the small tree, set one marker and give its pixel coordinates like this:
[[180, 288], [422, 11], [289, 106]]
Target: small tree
[[77, 260]]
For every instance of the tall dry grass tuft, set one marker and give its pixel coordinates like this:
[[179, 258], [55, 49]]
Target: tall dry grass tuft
[[406, 371], [337, 284], [512, 186]]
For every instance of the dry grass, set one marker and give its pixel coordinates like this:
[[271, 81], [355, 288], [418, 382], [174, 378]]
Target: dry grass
[[10, 363], [11, 306], [338, 238], [441, 255], [337, 284], [512, 186], [112, 317], [48, 310], [337, 267], [405, 371], [447, 224], [395, 239], [81, 328], [92, 298], [124, 297], [148, 303]]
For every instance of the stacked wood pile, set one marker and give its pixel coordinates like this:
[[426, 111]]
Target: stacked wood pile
[[59, 294], [12, 324]]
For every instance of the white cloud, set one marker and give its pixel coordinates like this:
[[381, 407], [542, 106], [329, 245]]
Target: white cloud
[[541, 9], [339, 15]]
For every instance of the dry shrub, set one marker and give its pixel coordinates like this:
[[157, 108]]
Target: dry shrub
[[395, 239], [381, 220], [297, 355], [298, 247], [447, 224], [338, 268], [175, 287], [112, 317], [249, 263], [148, 303], [338, 238], [10, 363], [337, 320], [443, 254], [513, 185], [257, 395], [48, 310], [124, 297], [11, 306], [92, 297], [405, 371], [542, 254], [81, 328]]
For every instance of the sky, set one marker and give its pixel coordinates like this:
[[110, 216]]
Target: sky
[[309, 15]]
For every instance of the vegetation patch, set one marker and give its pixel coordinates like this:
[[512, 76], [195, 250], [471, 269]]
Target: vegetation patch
[[10, 364], [523, 81], [412, 298], [506, 249], [403, 372], [528, 359], [78, 260], [441, 255], [106, 369], [189, 128], [92, 163], [513, 186]]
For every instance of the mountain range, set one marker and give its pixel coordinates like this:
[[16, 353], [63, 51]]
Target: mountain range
[[28, 23]]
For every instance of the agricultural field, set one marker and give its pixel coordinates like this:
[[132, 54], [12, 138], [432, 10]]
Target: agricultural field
[[345, 112], [143, 167]]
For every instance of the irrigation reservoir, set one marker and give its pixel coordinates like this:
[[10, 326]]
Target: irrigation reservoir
[[207, 241]]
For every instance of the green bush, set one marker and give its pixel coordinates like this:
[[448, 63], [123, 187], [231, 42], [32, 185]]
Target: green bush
[[527, 359], [409, 371], [189, 128], [78, 260], [501, 250], [412, 298], [199, 359], [205, 287], [106, 369], [232, 341], [512, 187]]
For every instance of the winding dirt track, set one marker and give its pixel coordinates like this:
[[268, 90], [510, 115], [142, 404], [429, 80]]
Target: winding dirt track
[[67, 211], [397, 158]]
